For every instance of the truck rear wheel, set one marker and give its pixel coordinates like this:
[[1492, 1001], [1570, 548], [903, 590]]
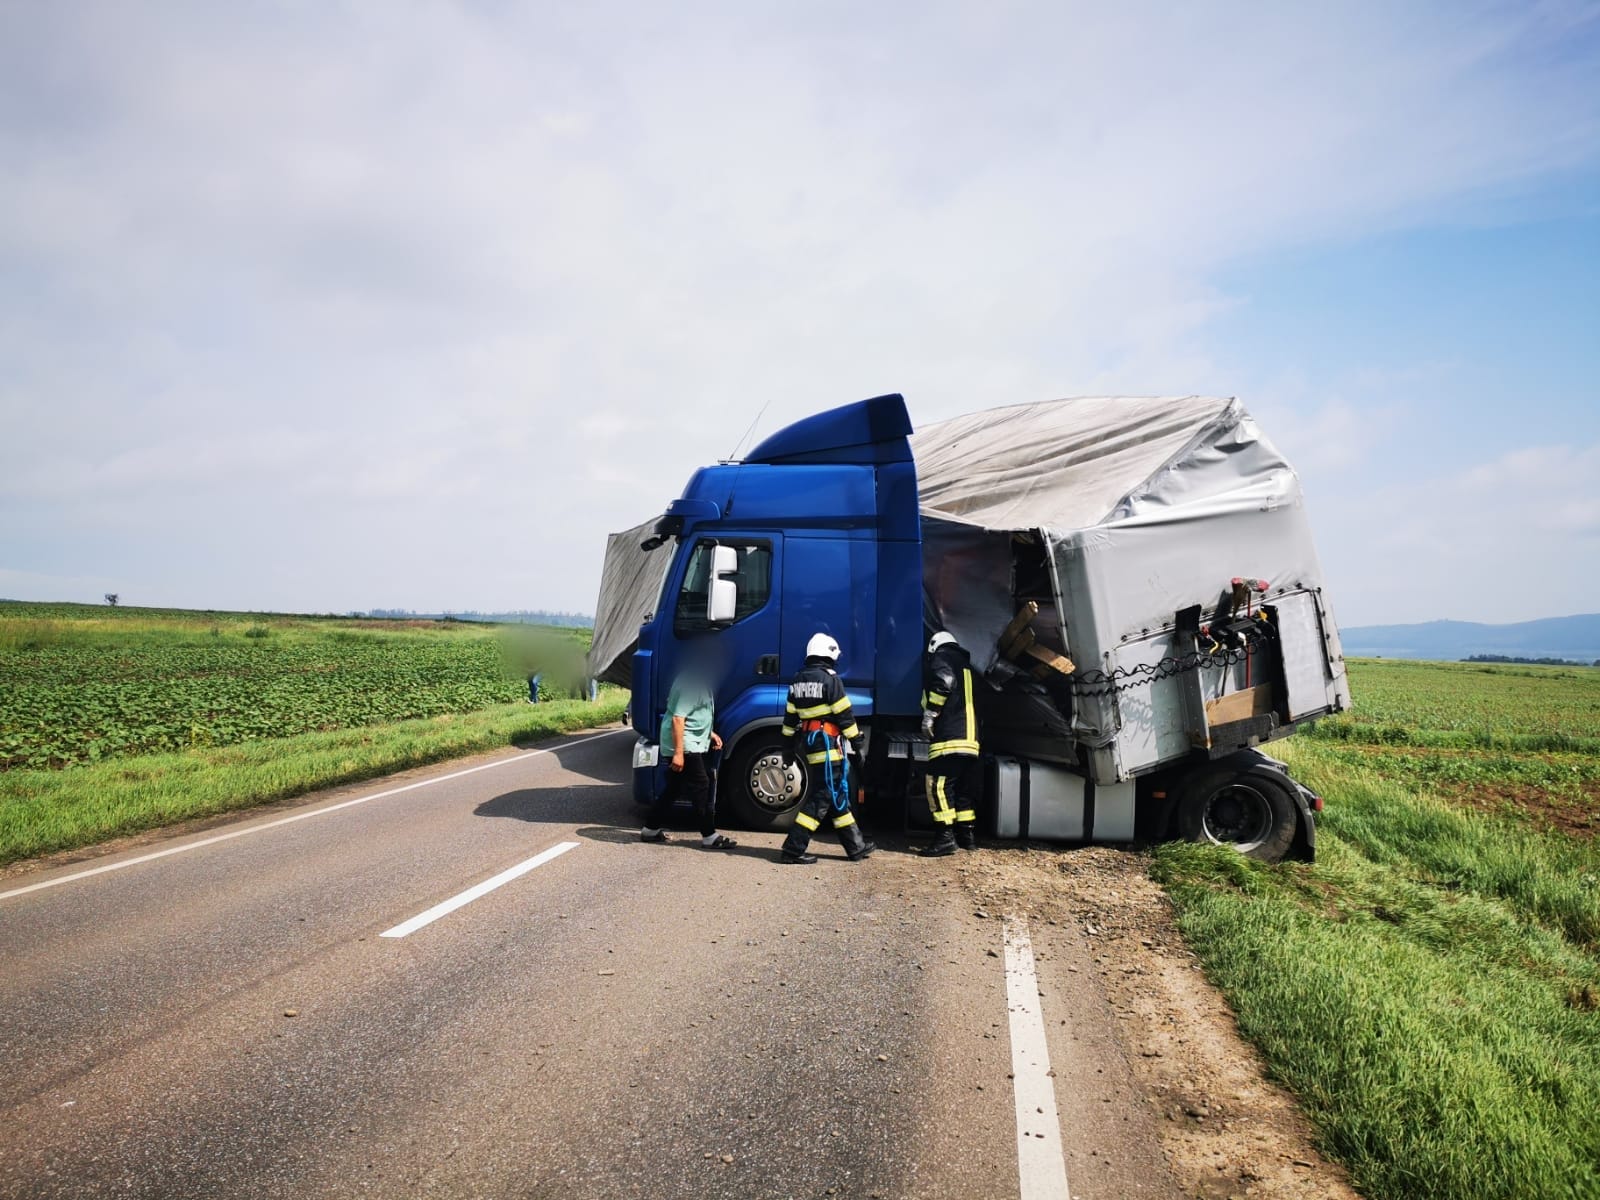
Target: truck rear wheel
[[1247, 807], [758, 789]]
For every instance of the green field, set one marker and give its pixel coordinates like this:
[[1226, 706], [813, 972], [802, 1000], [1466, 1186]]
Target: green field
[[79, 684], [1430, 988], [116, 720]]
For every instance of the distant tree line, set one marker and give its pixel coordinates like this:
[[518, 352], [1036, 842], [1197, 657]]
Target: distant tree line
[[1541, 662], [522, 616]]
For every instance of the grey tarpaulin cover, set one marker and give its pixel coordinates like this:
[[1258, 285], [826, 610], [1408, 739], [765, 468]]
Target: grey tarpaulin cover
[[1123, 510], [1137, 507], [629, 585]]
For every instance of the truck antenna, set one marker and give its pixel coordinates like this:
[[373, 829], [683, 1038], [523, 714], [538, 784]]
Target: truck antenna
[[737, 445]]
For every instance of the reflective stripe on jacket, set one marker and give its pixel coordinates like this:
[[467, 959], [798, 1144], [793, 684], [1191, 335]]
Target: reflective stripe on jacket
[[947, 692], [817, 696]]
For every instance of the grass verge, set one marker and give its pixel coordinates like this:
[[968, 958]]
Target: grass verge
[[1428, 988], [45, 811]]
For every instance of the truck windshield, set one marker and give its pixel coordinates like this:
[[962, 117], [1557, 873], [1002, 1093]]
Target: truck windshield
[[753, 578]]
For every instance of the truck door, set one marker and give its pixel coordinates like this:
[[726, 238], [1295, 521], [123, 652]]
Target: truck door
[[745, 641]]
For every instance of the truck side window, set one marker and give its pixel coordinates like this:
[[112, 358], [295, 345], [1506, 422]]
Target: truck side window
[[753, 579]]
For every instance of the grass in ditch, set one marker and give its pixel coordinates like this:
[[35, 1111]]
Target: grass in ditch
[[44, 811], [1430, 988]]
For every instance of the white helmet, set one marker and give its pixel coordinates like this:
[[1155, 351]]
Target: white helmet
[[822, 646], [940, 639]]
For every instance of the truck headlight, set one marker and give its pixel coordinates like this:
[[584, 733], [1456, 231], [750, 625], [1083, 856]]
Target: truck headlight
[[645, 754]]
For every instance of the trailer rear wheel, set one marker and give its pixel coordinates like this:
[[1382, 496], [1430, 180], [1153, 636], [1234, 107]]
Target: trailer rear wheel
[[1247, 807], [759, 790]]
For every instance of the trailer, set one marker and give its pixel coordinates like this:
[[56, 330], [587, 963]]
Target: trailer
[[1134, 578]]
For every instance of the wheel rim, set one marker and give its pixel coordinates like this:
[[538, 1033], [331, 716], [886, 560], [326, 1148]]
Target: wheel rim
[[1238, 815], [773, 786]]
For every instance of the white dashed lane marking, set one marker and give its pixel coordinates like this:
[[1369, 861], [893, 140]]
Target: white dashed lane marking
[[446, 907]]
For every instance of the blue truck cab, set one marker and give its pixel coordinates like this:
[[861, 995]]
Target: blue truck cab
[[817, 530]]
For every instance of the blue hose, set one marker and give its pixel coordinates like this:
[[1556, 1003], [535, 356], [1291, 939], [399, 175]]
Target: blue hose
[[838, 789]]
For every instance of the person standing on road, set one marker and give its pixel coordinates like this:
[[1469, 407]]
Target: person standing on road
[[687, 734], [819, 722], [950, 723]]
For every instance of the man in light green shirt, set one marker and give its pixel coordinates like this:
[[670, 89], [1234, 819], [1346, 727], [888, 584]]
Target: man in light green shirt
[[686, 723], [687, 736]]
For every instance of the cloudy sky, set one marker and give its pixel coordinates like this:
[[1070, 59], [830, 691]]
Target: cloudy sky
[[321, 306]]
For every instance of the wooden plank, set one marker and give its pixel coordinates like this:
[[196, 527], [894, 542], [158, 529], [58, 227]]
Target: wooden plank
[[1018, 649], [1237, 706], [1048, 658], [1013, 631]]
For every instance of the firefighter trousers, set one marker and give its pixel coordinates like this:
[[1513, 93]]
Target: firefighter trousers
[[952, 784], [827, 799]]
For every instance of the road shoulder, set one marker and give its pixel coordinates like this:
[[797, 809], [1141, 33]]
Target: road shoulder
[[1224, 1128]]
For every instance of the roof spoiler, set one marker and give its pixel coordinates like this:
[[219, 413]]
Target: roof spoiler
[[866, 432]]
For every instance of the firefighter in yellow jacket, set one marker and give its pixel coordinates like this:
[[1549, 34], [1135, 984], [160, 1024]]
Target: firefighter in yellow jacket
[[819, 723], [950, 723]]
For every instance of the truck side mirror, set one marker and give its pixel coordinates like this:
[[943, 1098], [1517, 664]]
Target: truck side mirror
[[722, 600]]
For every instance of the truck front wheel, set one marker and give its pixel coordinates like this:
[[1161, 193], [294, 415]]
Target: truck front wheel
[[1247, 807], [759, 790]]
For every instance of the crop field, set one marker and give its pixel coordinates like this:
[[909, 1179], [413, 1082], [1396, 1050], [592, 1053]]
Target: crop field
[[1430, 987], [81, 684], [1473, 705], [113, 720], [1522, 741]]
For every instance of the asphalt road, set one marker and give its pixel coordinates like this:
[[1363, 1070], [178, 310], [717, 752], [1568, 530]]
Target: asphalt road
[[220, 1013]]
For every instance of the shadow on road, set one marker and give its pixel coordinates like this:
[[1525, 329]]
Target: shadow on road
[[691, 841], [609, 761], [558, 806], [534, 805], [600, 792]]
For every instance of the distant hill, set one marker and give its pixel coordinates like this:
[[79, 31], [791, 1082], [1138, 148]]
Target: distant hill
[[522, 616], [1551, 637]]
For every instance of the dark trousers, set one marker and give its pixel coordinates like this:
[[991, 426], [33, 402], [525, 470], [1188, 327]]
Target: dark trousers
[[691, 783], [827, 799], [952, 782]]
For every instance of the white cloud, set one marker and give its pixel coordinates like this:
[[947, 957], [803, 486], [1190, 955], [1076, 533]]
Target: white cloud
[[466, 271]]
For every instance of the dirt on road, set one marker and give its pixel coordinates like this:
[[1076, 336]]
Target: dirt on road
[[1225, 1128]]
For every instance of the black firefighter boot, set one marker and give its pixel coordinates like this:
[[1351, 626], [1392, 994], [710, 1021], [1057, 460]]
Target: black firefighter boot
[[794, 848], [944, 844], [967, 835], [855, 845]]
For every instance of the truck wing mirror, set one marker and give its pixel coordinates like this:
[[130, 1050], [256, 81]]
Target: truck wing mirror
[[722, 600]]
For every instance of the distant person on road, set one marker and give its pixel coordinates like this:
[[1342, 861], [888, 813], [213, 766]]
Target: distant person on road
[[688, 737], [950, 723], [819, 722]]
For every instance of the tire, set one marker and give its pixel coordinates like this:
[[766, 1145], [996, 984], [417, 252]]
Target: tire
[[1250, 808], [754, 788]]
